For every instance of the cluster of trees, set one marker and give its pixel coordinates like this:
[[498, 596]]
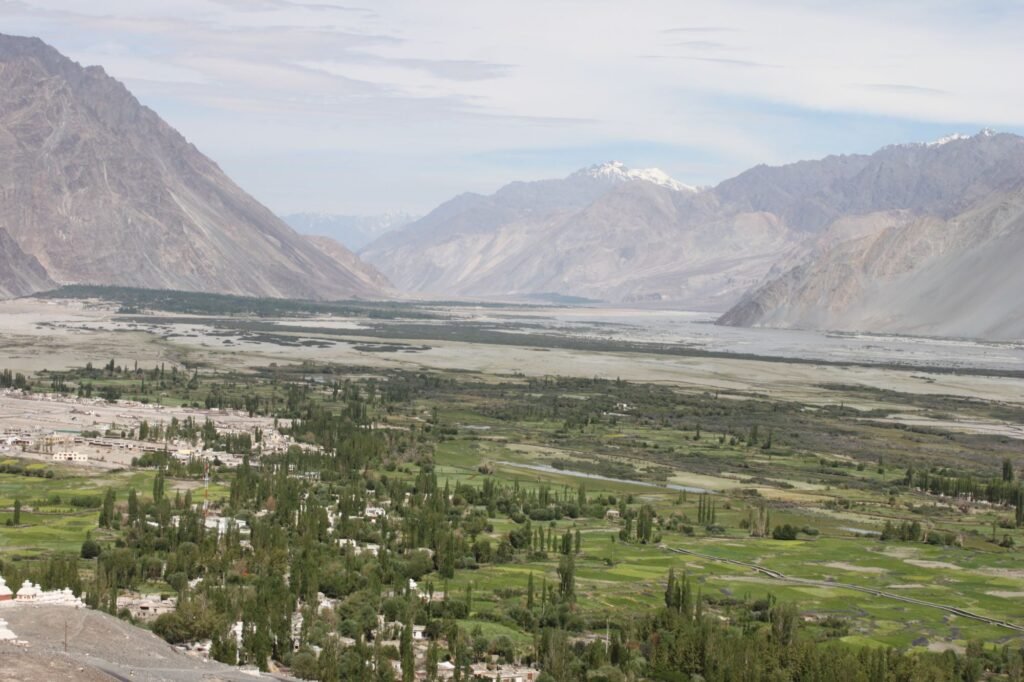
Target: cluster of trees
[[9, 379], [1004, 490], [906, 531], [706, 513]]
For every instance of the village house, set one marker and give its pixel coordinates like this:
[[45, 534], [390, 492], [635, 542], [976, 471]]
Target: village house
[[146, 606], [505, 673], [357, 549], [374, 513], [222, 523], [445, 670]]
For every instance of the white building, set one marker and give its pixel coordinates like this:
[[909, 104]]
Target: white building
[[374, 513], [505, 673], [357, 549], [70, 456], [222, 523]]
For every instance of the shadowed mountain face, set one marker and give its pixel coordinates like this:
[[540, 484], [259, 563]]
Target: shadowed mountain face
[[100, 190], [947, 263], [613, 234], [957, 277], [20, 274]]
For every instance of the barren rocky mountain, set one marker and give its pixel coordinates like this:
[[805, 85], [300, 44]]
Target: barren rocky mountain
[[610, 233], [940, 178], [99, 190], [334, 250], [956, 277], [604, 232]]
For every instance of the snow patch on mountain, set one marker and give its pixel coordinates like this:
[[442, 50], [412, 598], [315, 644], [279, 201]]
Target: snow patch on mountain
[[946, 139], [618, 172]]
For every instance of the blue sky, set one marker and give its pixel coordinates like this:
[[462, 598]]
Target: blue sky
[[349, 107]]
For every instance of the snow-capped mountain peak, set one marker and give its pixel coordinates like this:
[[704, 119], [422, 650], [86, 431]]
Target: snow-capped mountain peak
[[957, 137], [618, 172], [947, 139]]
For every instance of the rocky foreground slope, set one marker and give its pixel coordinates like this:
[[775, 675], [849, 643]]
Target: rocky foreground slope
[[99, 648], [100, 190]]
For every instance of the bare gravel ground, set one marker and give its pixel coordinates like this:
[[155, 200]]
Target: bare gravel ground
[[100, 647], [63, 334]]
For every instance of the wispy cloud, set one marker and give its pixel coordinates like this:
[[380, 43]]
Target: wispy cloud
[[715, 60], [900, 88], [698, 29], [435, 98]]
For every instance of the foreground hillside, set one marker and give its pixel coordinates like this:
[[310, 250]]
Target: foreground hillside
[[99, 190], [100, 647]]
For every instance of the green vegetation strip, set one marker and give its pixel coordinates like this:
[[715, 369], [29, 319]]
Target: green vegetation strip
[[846, 586]]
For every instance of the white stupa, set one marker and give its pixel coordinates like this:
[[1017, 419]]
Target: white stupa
[[27, 592], [5, 592]]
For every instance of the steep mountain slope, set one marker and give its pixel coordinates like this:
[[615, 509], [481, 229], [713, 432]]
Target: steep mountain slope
[[369, 276], [604, 232], [102, 191], [351, 231], [932, 276], [20, 274]]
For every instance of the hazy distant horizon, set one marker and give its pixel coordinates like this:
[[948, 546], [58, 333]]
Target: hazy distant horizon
[[323, 107]]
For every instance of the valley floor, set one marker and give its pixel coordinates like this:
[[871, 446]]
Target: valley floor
[[847, 456]]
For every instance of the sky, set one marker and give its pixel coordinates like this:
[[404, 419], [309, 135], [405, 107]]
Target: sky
[[397, 105]]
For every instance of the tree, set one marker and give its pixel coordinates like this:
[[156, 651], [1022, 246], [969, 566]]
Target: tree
[[670, 589], [90, 548], [133, 507], [406, 651], [17, 512], [107, 510], [783, 619], [567, 578], [432, 661], [158, 487]]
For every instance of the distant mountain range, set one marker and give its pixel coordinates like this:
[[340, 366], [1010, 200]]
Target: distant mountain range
[[352, 231], [915, 238], [605, 232], [97, 189]]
